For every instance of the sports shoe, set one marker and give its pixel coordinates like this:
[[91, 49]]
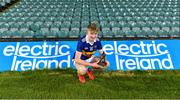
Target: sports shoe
[[82, 79], [90, 74]]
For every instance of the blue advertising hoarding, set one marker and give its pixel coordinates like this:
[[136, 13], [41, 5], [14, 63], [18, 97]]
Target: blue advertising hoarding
[[122, 55]]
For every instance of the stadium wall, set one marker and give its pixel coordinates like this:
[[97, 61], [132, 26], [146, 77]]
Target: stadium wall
[[122, 55]]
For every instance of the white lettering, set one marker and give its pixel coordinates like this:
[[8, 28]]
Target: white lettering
[[108, 49], [24, 50], [9, 50]]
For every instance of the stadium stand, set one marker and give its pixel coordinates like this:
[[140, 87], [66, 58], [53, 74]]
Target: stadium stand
[[41, 19]]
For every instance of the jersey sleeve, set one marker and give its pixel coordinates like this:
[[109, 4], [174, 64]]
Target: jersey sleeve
[[79, 46], [99, 45]]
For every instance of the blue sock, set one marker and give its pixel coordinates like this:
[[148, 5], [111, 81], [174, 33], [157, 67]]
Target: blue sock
[[89, 68]]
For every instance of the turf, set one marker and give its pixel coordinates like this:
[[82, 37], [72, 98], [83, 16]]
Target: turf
[[63, 84]]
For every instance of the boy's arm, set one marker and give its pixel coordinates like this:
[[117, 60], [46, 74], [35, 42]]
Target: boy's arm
[[100, 51], [103, 61], [78, 60]]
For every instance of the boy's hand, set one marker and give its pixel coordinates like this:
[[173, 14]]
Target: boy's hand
[[100, 62], [95, 65]]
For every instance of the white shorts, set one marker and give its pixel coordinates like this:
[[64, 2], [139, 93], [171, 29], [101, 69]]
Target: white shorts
[[87, 60], [81, 68]]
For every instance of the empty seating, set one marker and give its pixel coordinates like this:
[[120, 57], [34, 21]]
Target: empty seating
[[70, 18]]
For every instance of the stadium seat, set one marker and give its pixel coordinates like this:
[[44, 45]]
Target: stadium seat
[[126, 27], [39, 34], [28, 34], [23, 27], [44, 27], [174, 33], [175, 27], [146, 26], [129, 33], [6, 34], [165, 26], [54, 27], [163, 33], [75, 26], [107, 33], [52, 34], [115, 27], [63, 34], [82, 33], [16, 34], [155, 26], [136, 26], [152, 33], [141, 34], [105, 26], [65, 26], [71, 17], [14, 27], [4, 27], [84, 25], [119, 34], [74, 34]]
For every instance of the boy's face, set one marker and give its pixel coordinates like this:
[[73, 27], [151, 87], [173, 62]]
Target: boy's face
[[92, 35]]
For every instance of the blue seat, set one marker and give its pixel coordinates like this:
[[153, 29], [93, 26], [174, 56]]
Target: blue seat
[[54, 27], [45, 27], [152, 33], [28, 34], [24, 27], [163, 33], [119, 34], [52, 34], [34, 27], [6, 34], [82, 33], [63, 34], [14, 27], [130, 34], [40, 34], [74, 34], [126, 27], [107, 34], [175, 27], [174, 33], [16, 34], [4, 27], [141, 34]]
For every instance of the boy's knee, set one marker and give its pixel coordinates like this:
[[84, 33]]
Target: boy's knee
[[82, 70]]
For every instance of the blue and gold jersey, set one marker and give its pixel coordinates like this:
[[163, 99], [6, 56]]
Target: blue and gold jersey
[[86, 48]]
